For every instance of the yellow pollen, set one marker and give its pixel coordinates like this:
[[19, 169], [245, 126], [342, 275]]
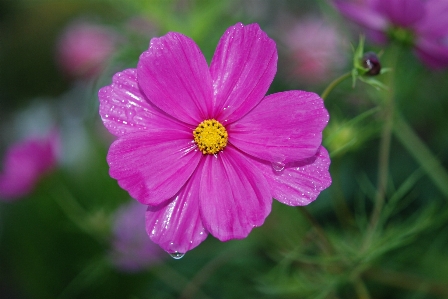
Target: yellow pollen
[[210, 136]]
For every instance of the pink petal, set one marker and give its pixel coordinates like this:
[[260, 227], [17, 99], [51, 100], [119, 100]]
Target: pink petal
[[152, 166], [234, 196], [124, 108], [402, 12], [174, 75], [242, 69], [177, 227], [284, 127], [299, 183], [433, 54], [362, 14], [435, 23]]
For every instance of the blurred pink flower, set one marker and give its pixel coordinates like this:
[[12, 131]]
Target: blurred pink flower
[[422, 24], [25, 163], [132, 250], [315, 50], [84, 48], [203, 146]]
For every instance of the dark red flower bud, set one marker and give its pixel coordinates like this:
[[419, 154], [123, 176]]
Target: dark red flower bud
[[371, 62]]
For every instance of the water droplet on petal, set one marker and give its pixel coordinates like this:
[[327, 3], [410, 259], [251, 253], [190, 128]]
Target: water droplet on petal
[[130, 114], [177, 255], [278, 166]]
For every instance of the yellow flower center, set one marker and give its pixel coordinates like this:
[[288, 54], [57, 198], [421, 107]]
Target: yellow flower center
[[210, 136]]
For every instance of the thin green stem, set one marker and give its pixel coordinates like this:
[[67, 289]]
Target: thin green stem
[[383, 163], [388, 109], [176, 281], [421, 153], [77, 214], [327, 246], [191, 289], [87, 277], [333, 84], [342, 210], [407, 281], [341, 203], [361, 289]]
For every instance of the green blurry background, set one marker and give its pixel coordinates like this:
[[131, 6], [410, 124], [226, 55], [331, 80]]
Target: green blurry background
[[55, 242]]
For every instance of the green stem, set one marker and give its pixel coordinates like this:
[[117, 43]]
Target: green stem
[[383, 162], [333, 84], [341, 208], [388, 108], [87, 277], [176, 281], [361, 289], [191, 289], [421, 153], [327, 246], [76, 213], [407, 281]]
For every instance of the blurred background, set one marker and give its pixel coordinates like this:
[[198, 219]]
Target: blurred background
[[68, 231]]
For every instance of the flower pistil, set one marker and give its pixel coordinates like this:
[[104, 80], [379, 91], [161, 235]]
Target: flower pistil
[[210, 136]]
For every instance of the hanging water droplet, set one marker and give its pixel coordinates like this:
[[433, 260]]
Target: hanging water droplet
[[177, 255], [278, 166]]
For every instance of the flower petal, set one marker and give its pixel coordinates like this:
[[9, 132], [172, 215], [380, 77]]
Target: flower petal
[[174, 75], [124, 108], [299, 183], [153, 165], [362, 14], [177, 227], [242, 69], [432, 53], [234, 196], [435, 23], [284, 127], [402, 12]]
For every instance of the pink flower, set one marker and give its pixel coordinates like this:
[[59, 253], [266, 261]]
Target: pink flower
[[203, 146], [132, 249], [84, 48], [24, 164], [422, 24], [315, 50]]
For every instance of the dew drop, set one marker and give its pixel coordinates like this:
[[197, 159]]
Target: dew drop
[[278, 166], [177, 255], [130, 114]]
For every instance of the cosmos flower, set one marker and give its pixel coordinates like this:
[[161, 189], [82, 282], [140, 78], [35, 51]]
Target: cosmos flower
[[132, 250], [421, 24], [315, 50], [25, 163], [203, 146], [83, 48]]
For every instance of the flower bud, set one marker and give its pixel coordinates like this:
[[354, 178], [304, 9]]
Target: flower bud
[[371, 62]]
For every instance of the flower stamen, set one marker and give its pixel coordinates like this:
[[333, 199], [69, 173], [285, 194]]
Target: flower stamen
[[210, 136]]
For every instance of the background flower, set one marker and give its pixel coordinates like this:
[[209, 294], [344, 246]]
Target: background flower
[[83, 49], [25, 163], [132, 250], [418, 23], [314, 49]]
